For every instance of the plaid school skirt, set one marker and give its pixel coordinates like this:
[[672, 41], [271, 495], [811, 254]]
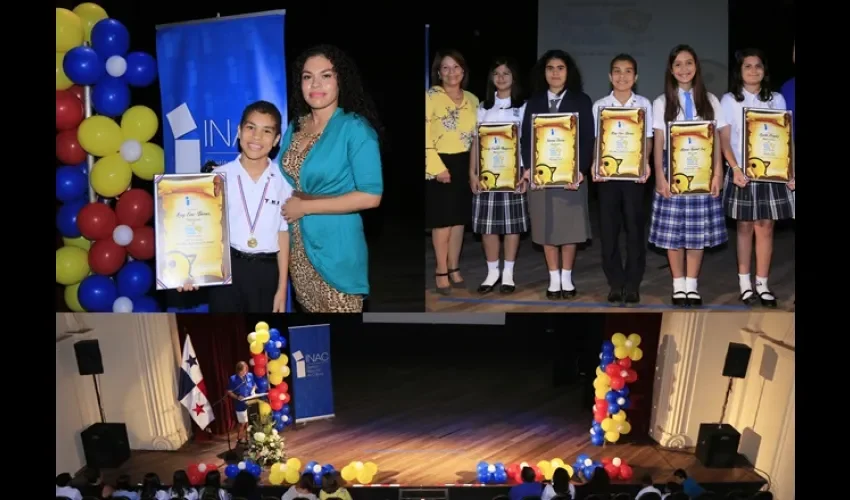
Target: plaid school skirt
[[499, 213], [693, 222], [757, 200]]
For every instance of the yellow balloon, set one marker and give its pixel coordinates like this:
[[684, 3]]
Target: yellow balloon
[[90, 14], [256, 347], [263, 336], [293, 463], [274, 366], [139, 123], [151, 163], [275, 378], [636, 354], [608, 424], [265, 409], [599, 371], [284, 359], [569, 469], [69, 30], [111, 176], [261, 325], [276, 477], [620, 416], [348, 473], [62, 80], [372, 467], [72, 265], [284, 373], [545, 466], [79, 242], [363, 476], [601, 393], [624, 428], [634, 340], [100, 136], [252, 337], [621, 352], [618, 339], [612, 436], [72, 300], [292, 476]]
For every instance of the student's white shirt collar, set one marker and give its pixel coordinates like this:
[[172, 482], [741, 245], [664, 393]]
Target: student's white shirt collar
[[269, 171]]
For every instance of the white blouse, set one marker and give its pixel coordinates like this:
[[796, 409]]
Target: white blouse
[[660, 104], [734, 114], [501, 112], [635, 101]]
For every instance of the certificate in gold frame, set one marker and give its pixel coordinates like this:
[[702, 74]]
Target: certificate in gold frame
[[621, 144], [498, 157], [554, 149], [767, 145], [690, 156]]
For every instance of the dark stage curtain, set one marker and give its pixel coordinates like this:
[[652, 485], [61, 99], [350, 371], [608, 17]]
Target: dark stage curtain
[[648, 326], [219, 342]]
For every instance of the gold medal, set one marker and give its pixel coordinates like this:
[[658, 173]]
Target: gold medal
[[252, 242]]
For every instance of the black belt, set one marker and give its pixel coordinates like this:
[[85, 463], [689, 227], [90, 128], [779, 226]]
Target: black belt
[[267, 256]]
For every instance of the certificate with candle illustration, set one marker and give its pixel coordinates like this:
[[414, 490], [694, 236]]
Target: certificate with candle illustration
[[554, 149], [690, 156], [768, 147], [621, 144], [498, 156], [192, 233]]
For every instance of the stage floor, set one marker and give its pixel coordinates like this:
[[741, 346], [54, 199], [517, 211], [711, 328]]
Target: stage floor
[[431, 427]]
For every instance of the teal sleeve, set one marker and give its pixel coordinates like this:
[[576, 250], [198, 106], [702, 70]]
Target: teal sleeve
[[364, 155]]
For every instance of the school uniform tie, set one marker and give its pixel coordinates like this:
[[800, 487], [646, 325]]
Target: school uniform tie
[[553, 105], [689, 106]]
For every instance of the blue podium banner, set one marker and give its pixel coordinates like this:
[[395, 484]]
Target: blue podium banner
[[310, 363], [209, 71]]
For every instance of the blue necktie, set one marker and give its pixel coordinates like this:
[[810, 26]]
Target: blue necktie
[[689, 106]]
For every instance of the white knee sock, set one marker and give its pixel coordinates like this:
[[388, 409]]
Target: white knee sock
[[691, 286], [492, 273], [508, 273], [746, 285], [554, 281], [678, 286], [761, 288], [567, 280]]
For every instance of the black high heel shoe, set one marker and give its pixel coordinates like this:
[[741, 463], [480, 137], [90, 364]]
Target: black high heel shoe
[[456, 284], [444, 290]]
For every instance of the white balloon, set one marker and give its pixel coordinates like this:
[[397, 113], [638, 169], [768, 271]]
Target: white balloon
[[116, 66], [131, 150], [122, 305], [122, 235], [617, 462]]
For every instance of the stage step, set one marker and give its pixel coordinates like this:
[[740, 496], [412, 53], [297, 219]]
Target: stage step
[[423, 494]]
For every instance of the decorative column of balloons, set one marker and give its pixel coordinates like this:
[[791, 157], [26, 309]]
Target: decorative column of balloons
[[612, 394], [95, 70], [270, 368]]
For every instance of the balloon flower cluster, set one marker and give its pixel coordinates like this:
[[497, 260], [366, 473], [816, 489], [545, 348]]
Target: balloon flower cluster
[[318, 470], [491, 473], [586, 466], [617, 468], [232, 470], [288, 472], [102, 261], [497, 473], [270, 368], [546, 469], [198, 472], [362, 472], [612, 394]]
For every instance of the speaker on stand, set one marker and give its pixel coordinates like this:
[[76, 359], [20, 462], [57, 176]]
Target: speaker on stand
[[717, 444], [105, 445]]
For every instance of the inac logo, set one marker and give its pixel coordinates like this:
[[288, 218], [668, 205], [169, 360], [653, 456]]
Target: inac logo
[[219, 141], [187, 152], [310, 364]]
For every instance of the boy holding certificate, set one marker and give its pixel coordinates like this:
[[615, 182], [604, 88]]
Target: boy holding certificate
[[259, 237], [622, 201]]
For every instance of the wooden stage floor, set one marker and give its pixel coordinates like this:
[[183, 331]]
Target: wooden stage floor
[[718, 281], [431, 427]]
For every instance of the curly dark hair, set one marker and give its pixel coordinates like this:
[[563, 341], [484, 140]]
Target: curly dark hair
[[352, 96]]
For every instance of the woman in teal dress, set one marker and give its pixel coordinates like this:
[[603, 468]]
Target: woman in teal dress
[[332, 159]]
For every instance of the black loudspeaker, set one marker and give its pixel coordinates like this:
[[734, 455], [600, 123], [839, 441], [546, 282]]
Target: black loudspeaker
[[737, 360], [106, 446], [717, 445], [89, 361]]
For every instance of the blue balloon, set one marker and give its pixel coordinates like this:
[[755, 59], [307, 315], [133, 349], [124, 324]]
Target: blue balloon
[[141, 69], [134, 280], [500, 476], [66, 218], [285, 410], [274, 334], [84, 168], [608, 347], [145, 304], [83, 66], [624, 392], [262, 384], [482, 477], [97, 293], [111, 97], [110, 38], [613, 408], [71, 183], [597, 439], [231, 471]]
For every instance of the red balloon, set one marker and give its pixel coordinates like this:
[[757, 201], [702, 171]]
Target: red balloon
[[96, 221], [284, 398], [538, 473], [602, 406], [134, 208], [631, 376], [612, 470], [606, 460], [68, 149], [283, 387], [79, 92], [259, 371], [617, 382], [142, 247], [625, 363], [260, 360], [193, 469], [613, 369], [626, 472], [69, 110], [276, 404], [106, 257]]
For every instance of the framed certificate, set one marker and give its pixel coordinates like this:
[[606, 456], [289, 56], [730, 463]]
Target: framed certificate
[[498, 156], [554, 149], [690, 156], [621, 144], [192, 233], [768, 147]]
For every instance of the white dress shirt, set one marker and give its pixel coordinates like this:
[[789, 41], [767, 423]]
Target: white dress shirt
[[635, 101], [69, 492], [660, 104], [270, 219], [549, 492], [502, 112], [734, 114], [648, 489], [550, 96]]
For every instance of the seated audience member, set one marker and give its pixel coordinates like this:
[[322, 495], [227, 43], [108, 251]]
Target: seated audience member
[[212, 489], [304, 489], [677, 496], [651, 496], [64, 488], [598, 484], [90, 484], [152, 488], [125, 489], [689, 486], [646, 487], [181, 488], [245, 487], [529, 487], [332, 488], [561, 486]]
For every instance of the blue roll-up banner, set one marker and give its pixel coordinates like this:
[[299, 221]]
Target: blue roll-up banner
[[310, 362], [209, 71]]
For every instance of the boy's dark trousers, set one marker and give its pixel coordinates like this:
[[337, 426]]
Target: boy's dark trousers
[[255, 282], [622, 208]]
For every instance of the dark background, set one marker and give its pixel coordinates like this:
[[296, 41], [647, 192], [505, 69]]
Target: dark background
[[561, 348], [393, 230]]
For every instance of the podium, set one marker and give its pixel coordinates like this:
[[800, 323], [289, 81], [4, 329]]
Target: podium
[[253, 402]]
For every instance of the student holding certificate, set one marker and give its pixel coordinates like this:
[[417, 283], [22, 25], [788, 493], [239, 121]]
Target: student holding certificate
[[685, 225], [788, 93], [754, 205]]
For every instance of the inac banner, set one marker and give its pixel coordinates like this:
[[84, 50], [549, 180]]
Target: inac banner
[[310, 362]]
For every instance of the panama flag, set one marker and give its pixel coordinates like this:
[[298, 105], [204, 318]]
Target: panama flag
[[193, 392]]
